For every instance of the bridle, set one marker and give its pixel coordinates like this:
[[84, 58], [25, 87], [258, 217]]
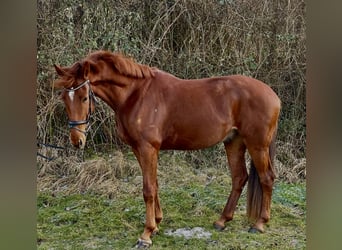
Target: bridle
[[91, 96]]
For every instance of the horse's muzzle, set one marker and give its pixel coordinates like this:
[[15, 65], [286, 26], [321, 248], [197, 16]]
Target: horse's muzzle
[[77, 139]]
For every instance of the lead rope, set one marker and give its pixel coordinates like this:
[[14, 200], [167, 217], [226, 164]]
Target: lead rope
[[39, 144]]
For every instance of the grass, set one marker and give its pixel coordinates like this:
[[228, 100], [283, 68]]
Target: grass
[[91, 220]]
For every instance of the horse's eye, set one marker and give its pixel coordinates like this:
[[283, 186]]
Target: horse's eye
[[85, 99]]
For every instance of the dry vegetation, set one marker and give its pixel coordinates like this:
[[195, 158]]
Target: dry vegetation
[[188, 38]]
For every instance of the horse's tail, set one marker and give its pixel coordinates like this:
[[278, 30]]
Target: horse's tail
[[254, 191]]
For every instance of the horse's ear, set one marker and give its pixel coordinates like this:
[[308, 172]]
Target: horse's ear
[[60, 71], [89, 70]]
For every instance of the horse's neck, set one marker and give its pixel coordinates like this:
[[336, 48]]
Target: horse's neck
[[116, 95]]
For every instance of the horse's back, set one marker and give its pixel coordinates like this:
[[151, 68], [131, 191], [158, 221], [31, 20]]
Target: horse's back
[[222, 92]]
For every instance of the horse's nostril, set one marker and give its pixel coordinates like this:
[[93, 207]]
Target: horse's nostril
[[80, 143]]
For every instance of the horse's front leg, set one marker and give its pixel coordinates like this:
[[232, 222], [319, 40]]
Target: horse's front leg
[[147, 156]]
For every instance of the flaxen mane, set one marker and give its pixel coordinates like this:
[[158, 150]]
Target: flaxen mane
[[124, 65]]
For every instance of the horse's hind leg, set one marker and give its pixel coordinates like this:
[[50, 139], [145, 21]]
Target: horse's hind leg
[[261, 202], [235, 150]]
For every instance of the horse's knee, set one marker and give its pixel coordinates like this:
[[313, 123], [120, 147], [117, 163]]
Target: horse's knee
[[149, 194]]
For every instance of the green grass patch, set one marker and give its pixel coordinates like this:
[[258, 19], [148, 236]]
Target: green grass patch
[[88, 221]]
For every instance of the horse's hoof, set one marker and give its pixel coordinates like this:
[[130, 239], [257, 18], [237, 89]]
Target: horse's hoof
[[143, 244], [254, 230], [219, 227]]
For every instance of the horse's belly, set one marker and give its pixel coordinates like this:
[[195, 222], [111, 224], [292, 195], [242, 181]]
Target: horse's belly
[[194, 139]]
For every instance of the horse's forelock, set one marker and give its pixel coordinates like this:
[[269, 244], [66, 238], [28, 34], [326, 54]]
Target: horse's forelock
[[71, 74], [76, 70]]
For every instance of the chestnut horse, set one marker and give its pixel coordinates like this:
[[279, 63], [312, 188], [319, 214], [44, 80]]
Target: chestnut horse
[[158, 111]]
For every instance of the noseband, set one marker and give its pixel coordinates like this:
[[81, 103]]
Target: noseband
[[91, 96]]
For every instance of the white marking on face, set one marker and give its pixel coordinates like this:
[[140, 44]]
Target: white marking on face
[[71, 95]]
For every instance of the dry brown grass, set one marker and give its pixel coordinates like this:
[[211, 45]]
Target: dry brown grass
[[99, 175], [113, 172], [289, 167]]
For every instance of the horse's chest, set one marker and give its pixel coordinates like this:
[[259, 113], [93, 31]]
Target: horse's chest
[[123, 132], [129, 131]]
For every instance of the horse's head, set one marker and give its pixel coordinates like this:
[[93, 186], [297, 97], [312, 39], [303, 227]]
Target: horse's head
[[97, 68], [79, 101]]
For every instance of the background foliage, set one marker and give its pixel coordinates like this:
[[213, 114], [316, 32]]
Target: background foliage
[[188, 38]]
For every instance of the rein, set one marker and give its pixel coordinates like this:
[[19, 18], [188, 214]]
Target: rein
[[73, 124], [40, 144]]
